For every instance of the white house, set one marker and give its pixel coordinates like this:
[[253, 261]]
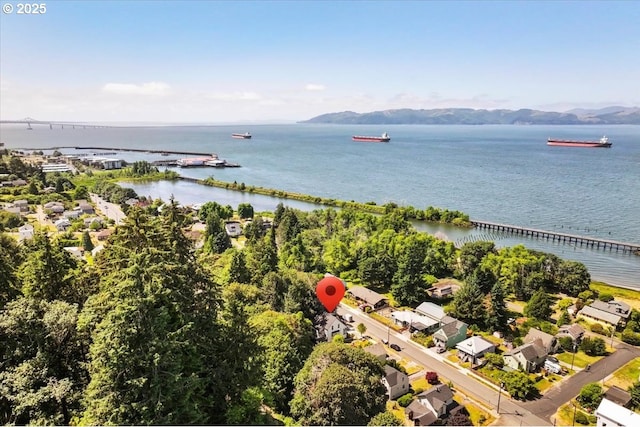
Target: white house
[[610, 414], [233, 228], [327, 326], [473, 348], [396, 382], [25, 232]]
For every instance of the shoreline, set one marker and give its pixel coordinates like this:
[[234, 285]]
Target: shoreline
[[374, 209]]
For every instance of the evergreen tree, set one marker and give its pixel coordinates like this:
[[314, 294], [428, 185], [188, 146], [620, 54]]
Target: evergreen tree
[[498, 315], [217, 239], [87, 244], [157, 344], [10, 259], [468, 305], [238, 271], [539, 306], [47, 271], [409, 287]]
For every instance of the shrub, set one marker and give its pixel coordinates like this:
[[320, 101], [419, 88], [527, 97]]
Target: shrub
[[405, 400], [581, 418], [432, 377], [597, 328]]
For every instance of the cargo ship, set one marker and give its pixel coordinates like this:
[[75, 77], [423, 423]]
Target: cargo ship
[[245, 135], [384, 138], [604, 142]]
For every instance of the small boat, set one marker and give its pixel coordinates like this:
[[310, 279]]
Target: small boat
[[604, 143], [384, 138], [245, 135]]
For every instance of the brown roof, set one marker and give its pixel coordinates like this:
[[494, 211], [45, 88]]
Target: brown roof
[[417, 411], [618, 395], [366, 295]]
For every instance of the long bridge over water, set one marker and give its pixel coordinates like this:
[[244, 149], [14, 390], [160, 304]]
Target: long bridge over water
[[28, 121], [595, 243]]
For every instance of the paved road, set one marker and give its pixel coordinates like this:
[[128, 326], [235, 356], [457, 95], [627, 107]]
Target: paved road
[[110, 210], [511, 412], [546, 406]]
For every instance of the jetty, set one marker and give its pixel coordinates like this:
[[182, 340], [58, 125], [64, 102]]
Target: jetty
[[136, 150], [593, 242]]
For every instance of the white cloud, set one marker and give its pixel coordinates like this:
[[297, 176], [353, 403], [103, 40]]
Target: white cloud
[[151, 88], [314, 87], [236, 96]]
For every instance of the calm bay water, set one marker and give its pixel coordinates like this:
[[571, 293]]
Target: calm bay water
[[495, 173]]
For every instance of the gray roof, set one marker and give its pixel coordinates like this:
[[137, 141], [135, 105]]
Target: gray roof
[[531, 351], [574, 331], [451, 329], [376, 349], [392, 375], [611, 318], [438, 396], [618, 395], [432, 310], [421, 413], [475, 345], [614, 307], [536, 334]]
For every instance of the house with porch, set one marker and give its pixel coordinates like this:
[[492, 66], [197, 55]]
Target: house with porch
[[473, 348], [528, 357], [573, 331], [415, 322], [449, 335]]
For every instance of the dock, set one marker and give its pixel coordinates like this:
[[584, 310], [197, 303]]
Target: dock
[[592, 242]]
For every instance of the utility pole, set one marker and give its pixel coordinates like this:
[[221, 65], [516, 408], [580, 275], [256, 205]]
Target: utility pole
[[575, 347], [499, 394]]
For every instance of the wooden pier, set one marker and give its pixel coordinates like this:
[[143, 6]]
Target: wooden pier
[[595, 243]]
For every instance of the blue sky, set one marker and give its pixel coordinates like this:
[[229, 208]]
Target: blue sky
[[216, 61]]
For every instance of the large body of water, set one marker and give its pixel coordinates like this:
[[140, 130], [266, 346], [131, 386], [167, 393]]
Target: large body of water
[[495, 173]]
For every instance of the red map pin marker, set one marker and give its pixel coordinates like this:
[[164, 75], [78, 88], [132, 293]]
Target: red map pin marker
[[330, 291]]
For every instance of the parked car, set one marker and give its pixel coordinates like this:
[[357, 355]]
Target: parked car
[[396, 347], [348, 318], [441, 349]]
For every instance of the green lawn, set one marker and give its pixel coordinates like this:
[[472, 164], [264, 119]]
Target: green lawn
[[411, 367], [547, 382], [581, 359], [625, 376], [475, 412]]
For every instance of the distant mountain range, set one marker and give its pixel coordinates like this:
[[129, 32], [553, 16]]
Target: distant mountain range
[[469, 116]]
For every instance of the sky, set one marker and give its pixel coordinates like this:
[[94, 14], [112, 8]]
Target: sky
[[265, 61]]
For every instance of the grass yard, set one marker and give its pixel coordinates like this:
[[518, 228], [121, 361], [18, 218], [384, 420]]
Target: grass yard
[[411, 367], [398, 411], [581, 359], [625, 376], [547, 382]]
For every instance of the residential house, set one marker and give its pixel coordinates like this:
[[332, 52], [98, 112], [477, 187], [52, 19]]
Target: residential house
[[414, 321], [104, 234], [25, 232], [610, 414], [618, 396], [545, 340], [395, 381], [62, 224], [23, 205], [108, 164], [71, 214], [367, 296], [430, 405], [443, 290], [450, 334], [600, 316], [327, 326], [91, 220], [13, 210], [429, 309], [85, 208], [378, 351], [528, 357], [473, 348], [573, 331], [55, 207], [618, 308], [233, 228]]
